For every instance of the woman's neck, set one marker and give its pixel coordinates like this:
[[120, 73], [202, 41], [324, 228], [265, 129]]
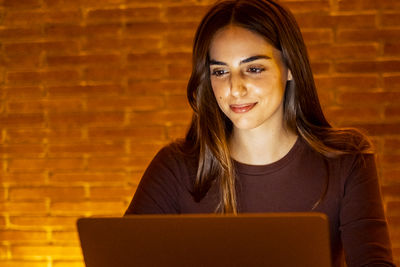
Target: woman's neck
[[261, 147]]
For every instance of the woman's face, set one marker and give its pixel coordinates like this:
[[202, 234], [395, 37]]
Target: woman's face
[[248, 78]]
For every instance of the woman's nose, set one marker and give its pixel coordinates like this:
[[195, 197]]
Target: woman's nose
[[238, 87]]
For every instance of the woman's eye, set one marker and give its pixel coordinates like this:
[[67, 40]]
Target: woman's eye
[[219, 72], [255, 69]]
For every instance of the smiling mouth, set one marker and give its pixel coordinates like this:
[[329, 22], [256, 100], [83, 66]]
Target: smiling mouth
[[243, 108]]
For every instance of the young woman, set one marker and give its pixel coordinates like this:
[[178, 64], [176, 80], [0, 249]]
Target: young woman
[[258, 140]]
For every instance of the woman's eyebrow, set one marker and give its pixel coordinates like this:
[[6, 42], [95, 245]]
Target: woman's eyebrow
[[247, 60]]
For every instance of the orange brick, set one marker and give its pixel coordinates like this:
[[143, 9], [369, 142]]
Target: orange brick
[[68, 264], [186, 13], [388, 4], [21, 62], [60, 77], [112, 208], [92, 177], [129, 14], [82, 60], [156, 87], [149, 71], [18, 263], [109, 29], [21, 4], [22, 92], [87, 118], [393, 208], [46, 164], [390, 19], [108, 15], [82, 3], [20, 18], [103, 74], [38, 135], [43, 222], [23, 78], [23, 178], [3, 252], [179, 42], [53, 105], [174, 132], [20, 33], [144, 29], [177, 102], [320, 67], [46, 77], [166, 118], [148, 58], [390, 164], [87, 148], [137, 103], [380, 128], [392, 49], [2, 221], [352, 5], [368, 98], [3, 192], [179, 71], [391, 82], [65, 237], [334, 52], [46, 192], [26, 208], [392, 112], [368, 66], [133, 43], [22, 150], [179, 56], [97, 90], [23, 236], [355, 21], [392, 145], [367, 35], [312, 36], [390, 177], [347, 83], [26, 120], [143, 14], [340, 21], [44, 252], [64, 30], [50, 47], [135, 133], [305, 6], [391, 192]]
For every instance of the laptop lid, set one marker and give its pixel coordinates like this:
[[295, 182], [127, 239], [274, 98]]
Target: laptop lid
[[262, 239]]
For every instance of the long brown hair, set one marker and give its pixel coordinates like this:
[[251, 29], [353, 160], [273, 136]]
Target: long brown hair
[[210, 129]]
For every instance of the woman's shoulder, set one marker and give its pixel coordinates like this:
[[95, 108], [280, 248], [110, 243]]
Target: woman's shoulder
[[177, 152]]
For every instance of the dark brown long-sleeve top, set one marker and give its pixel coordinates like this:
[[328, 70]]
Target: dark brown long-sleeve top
[[292, 184]]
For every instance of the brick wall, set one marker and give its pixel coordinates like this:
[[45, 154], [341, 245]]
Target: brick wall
[[91, 89]]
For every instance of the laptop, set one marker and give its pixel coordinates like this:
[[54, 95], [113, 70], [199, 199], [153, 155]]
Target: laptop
[[261, 239]]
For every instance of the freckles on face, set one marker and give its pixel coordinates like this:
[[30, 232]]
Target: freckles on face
[[247, 76]]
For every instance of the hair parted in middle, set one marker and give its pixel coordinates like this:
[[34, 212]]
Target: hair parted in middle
[[210, 129]]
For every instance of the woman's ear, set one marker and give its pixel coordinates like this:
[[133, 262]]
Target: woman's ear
[[289, 76]]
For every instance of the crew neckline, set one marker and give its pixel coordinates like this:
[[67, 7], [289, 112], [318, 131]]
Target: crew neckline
[[244, 168]]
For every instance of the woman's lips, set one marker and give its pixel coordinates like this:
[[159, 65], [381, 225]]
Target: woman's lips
[[242, 108]]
